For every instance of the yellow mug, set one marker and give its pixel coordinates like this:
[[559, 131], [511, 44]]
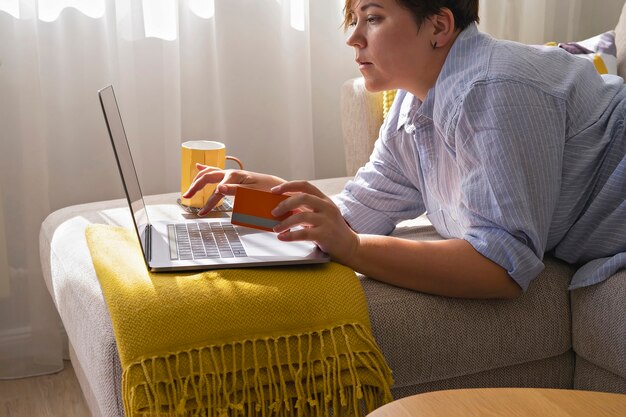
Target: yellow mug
[[205, 152]]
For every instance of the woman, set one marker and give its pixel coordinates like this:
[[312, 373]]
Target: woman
[[511, 150]]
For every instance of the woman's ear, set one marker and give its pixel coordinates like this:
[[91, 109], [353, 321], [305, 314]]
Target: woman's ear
[[443, 28]]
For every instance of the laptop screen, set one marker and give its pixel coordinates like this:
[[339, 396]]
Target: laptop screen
[[125, 164]]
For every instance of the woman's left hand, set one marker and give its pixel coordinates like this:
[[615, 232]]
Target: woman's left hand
[[319, 217]]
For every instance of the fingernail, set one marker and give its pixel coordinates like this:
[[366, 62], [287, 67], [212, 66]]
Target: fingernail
[[274, 188]]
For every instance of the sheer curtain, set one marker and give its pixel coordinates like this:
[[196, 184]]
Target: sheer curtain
[[262, 76], [541, 21]]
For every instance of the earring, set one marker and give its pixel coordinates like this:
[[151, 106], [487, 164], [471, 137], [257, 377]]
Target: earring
[[434, 45]]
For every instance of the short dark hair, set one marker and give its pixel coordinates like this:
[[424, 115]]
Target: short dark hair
[[465, 11]]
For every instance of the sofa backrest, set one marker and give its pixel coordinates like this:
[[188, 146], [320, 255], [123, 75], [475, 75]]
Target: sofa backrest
[[620, 43]]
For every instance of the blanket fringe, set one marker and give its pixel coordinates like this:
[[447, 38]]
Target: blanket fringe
[[337, 372]]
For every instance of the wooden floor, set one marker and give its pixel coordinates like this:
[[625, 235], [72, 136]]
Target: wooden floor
[[56, 395]]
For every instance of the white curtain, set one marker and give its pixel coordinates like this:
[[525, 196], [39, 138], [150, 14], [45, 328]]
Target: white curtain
[[263, 76]]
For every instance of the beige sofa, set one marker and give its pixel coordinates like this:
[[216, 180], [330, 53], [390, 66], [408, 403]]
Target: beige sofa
[[548, 337]]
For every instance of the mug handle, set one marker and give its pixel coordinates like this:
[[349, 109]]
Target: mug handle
[[232, 158]]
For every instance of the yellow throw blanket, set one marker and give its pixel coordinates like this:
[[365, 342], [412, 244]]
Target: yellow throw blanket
[[275, 341]]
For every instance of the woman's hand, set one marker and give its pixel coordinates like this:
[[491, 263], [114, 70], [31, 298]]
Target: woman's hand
[[227, 182], [320, 218]]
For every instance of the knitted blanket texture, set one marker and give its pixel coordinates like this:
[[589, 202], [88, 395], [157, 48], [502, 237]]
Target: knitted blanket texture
[[272, 341]]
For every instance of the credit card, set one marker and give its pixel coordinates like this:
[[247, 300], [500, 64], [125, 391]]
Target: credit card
[[253, 208]]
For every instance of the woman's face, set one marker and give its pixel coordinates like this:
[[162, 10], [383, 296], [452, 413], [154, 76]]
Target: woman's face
[[390, 50]]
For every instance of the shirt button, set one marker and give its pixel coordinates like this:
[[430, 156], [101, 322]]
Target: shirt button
[[410, 129]]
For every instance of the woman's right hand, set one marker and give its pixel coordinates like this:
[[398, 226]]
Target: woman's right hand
[[227, 182]]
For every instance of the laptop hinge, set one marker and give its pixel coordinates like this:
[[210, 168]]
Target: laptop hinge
[[148, 242]]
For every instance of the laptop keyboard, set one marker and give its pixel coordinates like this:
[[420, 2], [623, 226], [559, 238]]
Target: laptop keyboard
[[204, 240]]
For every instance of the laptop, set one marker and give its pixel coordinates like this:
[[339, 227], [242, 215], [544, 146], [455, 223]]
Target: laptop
[[197, 243]]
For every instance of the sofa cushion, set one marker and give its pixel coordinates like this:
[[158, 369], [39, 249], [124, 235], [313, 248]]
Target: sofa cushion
[[555, 372], [599, 323], [427, 338], [589, 377], [599, 50]]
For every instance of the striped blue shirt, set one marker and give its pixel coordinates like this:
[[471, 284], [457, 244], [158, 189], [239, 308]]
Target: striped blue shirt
[[518, 150]]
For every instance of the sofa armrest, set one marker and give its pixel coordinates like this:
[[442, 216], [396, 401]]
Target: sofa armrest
[[361, 117]]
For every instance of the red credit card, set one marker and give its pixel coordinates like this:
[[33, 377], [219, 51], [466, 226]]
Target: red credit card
[[253, 208]]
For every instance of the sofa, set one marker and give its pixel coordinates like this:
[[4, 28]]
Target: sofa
[[548, 337]]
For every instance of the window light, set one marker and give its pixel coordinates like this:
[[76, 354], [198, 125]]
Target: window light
[[160, 19], [297, 14], [12, 7], [49, 10], [203, 8]]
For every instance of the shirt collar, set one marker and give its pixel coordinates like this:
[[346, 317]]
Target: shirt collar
[[406, 109], [411, 104], [451, 64]]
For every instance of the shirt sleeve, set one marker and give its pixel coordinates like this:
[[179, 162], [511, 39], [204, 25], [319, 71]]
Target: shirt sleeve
[[380, 195], [509, 147]]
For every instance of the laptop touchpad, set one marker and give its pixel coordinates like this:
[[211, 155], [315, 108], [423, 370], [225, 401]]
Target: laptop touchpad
[[260, 243]]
